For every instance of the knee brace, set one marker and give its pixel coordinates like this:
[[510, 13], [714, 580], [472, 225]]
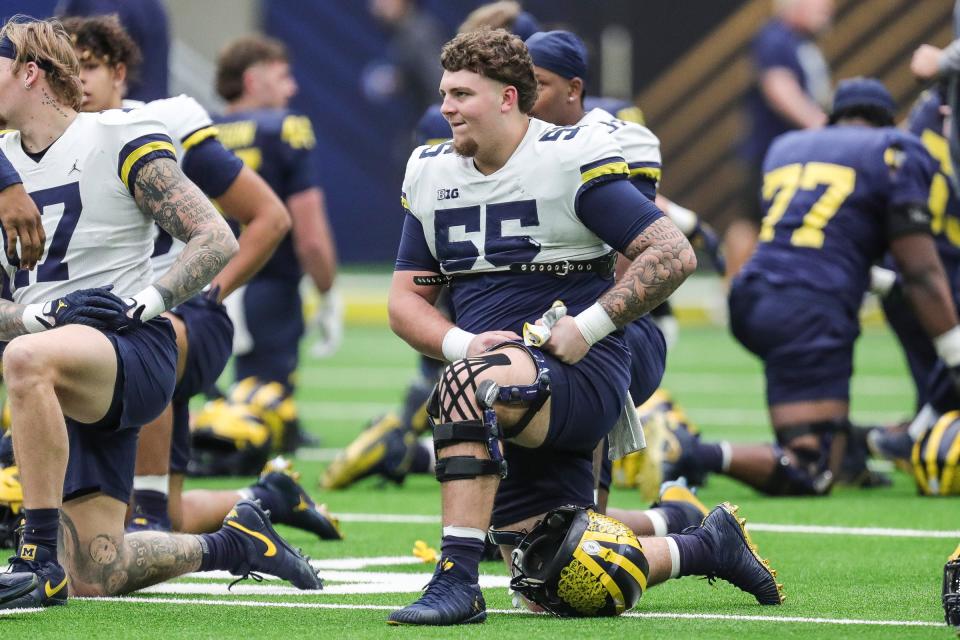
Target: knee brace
[[459, 379], [812, 474]]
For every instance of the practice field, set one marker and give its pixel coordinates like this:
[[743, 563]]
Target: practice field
[[860, 564]]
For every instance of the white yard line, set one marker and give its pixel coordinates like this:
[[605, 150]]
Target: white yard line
[[880, 532], [374, 607], [13, 612]]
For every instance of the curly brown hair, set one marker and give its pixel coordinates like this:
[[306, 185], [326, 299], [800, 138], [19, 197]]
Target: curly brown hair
[[495, 54], [45, 42], [103, 39], [240, 55]]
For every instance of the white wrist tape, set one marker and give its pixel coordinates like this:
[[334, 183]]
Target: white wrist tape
[[151, 301], [30, 314], [455, 343], [882, 280], [948, 346], [594, 323], [685, 219]]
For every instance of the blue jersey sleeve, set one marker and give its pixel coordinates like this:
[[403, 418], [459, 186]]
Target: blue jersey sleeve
[[774, 48], [211, 166], [646, 186], [297, 142], [8, 175], [414, 254], [617, 212], [911, 169]]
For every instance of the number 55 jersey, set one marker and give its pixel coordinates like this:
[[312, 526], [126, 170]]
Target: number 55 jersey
[[529, 233], [83, 186], [829, 198]]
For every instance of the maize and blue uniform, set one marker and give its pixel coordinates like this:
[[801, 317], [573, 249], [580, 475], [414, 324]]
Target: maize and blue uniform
[[926, 122], [97, 236], [827, 195], [267, 313], [209, 331], [563, 195]]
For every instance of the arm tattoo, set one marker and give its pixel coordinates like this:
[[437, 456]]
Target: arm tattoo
[[11, 320], [662, 259], [180, 208], [115, 566]]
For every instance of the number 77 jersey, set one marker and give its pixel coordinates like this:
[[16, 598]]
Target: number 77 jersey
[[827, 198]]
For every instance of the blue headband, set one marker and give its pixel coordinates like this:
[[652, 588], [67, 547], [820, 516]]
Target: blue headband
[[525, 25], [9, 50], [560, 52]]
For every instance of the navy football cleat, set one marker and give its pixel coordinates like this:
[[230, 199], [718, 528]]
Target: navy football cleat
[[303, 512], [446, 600], [384, 448], [265, 550], [736, 558], [33, 580], [680, 456]]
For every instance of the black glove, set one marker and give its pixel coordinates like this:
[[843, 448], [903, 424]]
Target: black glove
[[97, 308]]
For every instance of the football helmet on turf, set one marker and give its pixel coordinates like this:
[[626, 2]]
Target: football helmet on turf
[[951, 589], [228, 439], [935, 457], [579, 563]]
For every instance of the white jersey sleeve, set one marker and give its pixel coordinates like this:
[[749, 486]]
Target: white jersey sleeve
[[641, 148], [524, 213], [189, 123], [83, 185]]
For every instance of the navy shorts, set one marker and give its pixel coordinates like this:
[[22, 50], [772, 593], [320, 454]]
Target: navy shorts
[[803, 337], [586, 399], [103, 454], [274, 318], [209, 345]]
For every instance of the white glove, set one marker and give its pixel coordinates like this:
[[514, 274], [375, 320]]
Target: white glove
[[327, 324]]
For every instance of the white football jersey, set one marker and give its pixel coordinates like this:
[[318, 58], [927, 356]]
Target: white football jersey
[[96, 234], [641, 149], [524, 212], [188, 124]]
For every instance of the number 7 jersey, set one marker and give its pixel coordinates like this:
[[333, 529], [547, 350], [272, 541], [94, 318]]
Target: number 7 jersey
[[826, 196], [83, 186]]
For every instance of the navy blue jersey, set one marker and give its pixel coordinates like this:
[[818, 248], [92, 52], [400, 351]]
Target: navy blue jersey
[[926, 122], [777, 46], [8, 175], [826, 196], [276, 144]]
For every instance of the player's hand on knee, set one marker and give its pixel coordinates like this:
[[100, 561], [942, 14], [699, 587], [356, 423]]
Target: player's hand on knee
[[566, 342], [484, 341], [21, 222], [97, 308]]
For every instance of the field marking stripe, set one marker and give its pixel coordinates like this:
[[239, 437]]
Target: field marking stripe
[[13, 612], [381, 607], [880, 532]]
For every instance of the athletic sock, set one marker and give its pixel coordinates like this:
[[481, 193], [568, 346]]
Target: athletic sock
[[696, 558], [422, 459], [222, 550], [40, 530], [675, 518], [465, 554], [152, 505], [710, 456]]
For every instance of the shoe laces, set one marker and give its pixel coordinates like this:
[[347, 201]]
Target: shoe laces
[[252, 575], [439, 589]]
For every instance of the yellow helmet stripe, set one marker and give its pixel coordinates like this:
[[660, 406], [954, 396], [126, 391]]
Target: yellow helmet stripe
[[918, 471], [608, 583], [933, 443], [615, 539], [955, 555], [950, 466], [624, 562]]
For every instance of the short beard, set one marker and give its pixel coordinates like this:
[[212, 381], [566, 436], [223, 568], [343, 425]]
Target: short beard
[[468, 148]]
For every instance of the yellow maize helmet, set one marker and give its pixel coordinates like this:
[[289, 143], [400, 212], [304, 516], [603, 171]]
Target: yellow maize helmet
[[935, 458], [11, 506], [228, 439], [579, 563]]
